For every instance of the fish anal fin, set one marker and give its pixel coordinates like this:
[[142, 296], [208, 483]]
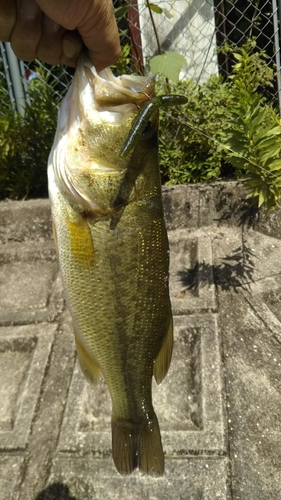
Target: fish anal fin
[[163, 359], [88, 365], [134, 446]]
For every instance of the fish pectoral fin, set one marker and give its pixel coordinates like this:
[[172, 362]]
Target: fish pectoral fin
[[137, 447], [81, 242], [163, 359], [88, 365]]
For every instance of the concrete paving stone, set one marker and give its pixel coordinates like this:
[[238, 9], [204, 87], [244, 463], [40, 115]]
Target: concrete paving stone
[[219, 203], [41, 250], [264, 292], [225, 204], [30, 288], [185, 479], [250, 261], [181, 207], [10, 471], [264, 253], [192, 286], [267, 310], [252, 360], [25, 220], [269, 224], [191, 418], [234, 260], [47, 420], [24, 353]]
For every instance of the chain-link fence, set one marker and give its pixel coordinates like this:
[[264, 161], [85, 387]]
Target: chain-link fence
[[194, 28], [197, 28]]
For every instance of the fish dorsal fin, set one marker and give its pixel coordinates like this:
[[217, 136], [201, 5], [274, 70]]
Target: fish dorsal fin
[[163, 359], [88, 365]]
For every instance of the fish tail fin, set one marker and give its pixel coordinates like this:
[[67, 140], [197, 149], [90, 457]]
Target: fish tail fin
[[150, 453], [124, 445], [133, 447]]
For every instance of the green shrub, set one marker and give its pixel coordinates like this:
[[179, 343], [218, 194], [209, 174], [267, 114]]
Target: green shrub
[[226, 123], [25, 143], [255, 129], [190, 136]]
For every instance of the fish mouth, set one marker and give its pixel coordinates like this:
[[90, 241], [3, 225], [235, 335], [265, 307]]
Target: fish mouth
[[111, 91]]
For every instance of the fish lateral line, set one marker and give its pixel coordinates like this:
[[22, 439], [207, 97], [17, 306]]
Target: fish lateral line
[[144, 116]]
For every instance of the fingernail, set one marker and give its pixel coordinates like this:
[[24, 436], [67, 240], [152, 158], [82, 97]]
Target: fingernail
[[70, 50]]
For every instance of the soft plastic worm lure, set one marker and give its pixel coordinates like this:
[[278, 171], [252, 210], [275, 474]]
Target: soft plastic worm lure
[[143, 117]]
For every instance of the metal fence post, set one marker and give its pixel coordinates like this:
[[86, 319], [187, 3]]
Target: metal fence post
[[277, 48], [9, 84], [16, 79]]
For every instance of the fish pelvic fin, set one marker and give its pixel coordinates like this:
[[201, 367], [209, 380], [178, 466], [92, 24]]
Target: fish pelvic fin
[[134, 447], [163, 359], [88, 365]]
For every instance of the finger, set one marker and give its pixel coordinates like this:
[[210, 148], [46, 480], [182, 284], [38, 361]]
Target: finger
[[72, 45], [94, 20], [8, 14], [27, 30], [100, 35], [49, 48]]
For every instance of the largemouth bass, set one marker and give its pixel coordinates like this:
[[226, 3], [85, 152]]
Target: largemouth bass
[[113, 252]]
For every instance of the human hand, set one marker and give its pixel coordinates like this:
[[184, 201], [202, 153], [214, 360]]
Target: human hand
[[55, 31]]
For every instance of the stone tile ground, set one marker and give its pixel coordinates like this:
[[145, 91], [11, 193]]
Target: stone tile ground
[[219, 406]]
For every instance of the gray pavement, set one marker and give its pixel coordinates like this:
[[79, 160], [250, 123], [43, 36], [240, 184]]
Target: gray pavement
[[219, 407]]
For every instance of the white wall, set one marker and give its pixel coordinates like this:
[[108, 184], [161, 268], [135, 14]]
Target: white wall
[[190, 31]]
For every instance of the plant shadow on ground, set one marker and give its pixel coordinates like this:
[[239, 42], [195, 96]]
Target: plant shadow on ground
[[228, 205], [56, 491], [236, 270]]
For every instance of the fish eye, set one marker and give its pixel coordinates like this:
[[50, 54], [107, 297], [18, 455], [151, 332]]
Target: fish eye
[[148, 131]]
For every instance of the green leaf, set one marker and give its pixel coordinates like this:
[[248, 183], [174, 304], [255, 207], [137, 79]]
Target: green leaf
[[169, 65], [262, 197], [269, 155], [268, 131], [275, 165], [121, 11], [268, 144], [167, 13], [155, 8], [257, 120]]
